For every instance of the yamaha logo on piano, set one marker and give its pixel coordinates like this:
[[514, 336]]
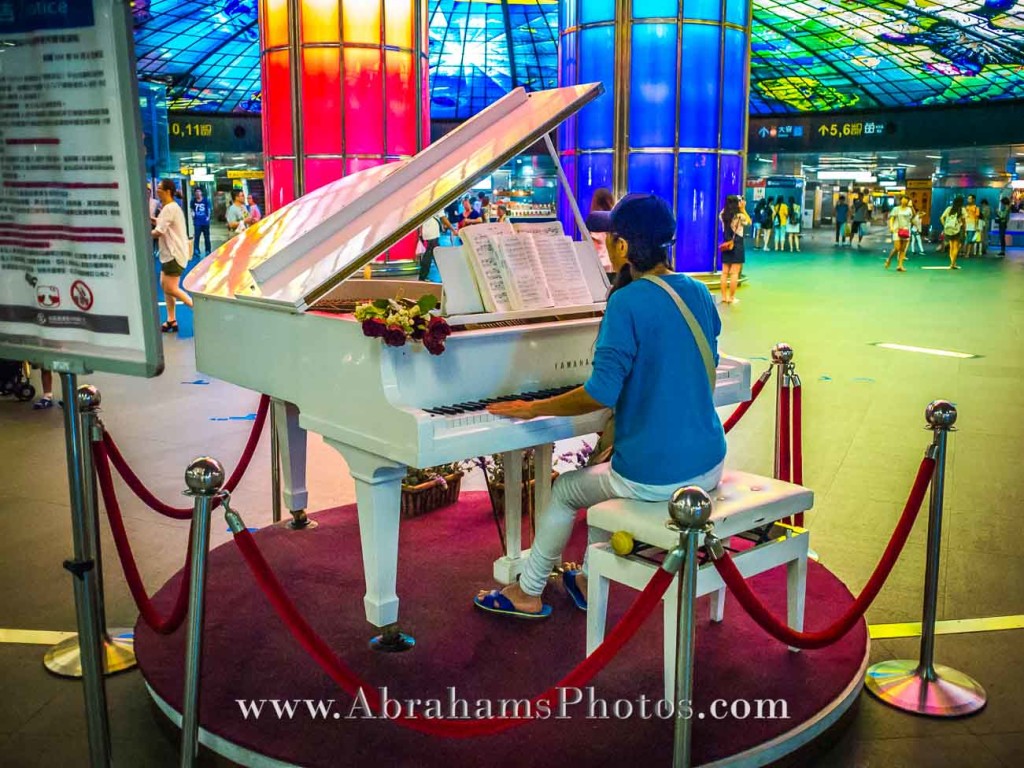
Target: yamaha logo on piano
[[562, 365]]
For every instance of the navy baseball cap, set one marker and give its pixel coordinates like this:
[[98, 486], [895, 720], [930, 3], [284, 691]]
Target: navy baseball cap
[[637, 217]]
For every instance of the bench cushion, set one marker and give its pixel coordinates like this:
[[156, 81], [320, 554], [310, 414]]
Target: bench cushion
[[742, 501]]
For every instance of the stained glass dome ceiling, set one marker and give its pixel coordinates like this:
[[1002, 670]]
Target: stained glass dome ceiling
[[807, 55]]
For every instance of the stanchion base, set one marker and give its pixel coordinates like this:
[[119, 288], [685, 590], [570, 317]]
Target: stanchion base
[[392, 641], [951, 694], [65, 658], [300, 522]]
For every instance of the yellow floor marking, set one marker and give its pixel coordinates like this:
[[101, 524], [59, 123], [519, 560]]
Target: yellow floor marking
[[33, 636], [952, 627]]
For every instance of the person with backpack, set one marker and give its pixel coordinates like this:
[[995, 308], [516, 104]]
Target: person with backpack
[[1002, 222], [860, 220], [430, 234], [780, 222], [767, 221], [793, 227], [953, 223], [842, 219]]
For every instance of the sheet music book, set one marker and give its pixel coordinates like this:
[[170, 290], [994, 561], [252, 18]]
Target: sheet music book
[[487, 263], [562, 272], [552, 228], [526, 278]]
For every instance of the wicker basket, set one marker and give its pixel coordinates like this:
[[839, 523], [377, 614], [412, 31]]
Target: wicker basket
[[422, 498], [497, 494]]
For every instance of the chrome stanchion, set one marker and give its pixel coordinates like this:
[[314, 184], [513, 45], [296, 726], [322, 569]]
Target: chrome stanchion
[[85, 568], [118, 646], [782, 359], [275, 466], [922, 686], [204, 478], [690, 509]]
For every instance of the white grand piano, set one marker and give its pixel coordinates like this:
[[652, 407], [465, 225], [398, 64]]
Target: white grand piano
[[260, 323]]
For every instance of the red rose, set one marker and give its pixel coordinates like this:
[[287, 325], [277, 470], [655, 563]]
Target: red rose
[[434, 344], [438, 326], [394, 336], [374, 327]]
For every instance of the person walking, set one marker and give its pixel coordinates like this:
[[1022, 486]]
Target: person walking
[[842, 218], [237, 217], [971, 216], [1002, 222], [734, 218], [900, 220], [916, 245], [174, 252], [200, 221], [860, 220], [779, 223], [793, 227], [953, 226]]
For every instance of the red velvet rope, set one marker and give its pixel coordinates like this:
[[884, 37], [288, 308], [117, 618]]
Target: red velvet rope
[[797, 439], [350, 682], [185, 513], [742, 408], [780, 631], [784, 444], [161, 625]]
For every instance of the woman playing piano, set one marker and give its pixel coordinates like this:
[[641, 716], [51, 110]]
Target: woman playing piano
[[654, 366]]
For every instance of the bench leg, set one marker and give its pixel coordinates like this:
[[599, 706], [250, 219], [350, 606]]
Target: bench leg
[[796, 592], [597, 608], [718, 604]]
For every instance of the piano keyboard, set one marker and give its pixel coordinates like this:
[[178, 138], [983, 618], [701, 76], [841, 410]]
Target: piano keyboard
[[475, 406]]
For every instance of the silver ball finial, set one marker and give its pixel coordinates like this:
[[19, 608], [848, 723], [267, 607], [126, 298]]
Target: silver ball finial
[[204, 476], [782, 353], [88, 397], [690, 507], [940, 414]]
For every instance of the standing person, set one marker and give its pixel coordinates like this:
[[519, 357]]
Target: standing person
[[916, 245], [767, 222], [971, 216], [734, 218], [254, 209], [757, 221], [842, 217], [793, 227], [154, 209], [657, 347], [174, 252], [1002, 222], [953, 226], [238, 218], [503, 215], [984, 227], [860, 220], [900, 221], [430, 232], [779, 223], [470, 214], [200, 220], [46, 401], [602, 202]]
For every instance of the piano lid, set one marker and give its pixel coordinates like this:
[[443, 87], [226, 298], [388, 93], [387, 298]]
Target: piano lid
[[296, 255]]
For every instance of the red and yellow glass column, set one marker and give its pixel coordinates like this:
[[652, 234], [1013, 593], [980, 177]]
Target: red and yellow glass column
[[344, 88]]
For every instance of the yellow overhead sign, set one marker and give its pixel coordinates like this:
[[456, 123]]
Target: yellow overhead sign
[[244, 174]]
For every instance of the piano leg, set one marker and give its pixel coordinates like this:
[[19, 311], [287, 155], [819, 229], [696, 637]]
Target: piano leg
[[379, 499], [507, 568], [292, 441]]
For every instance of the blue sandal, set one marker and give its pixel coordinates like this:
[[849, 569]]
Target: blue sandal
[[495, 602], [569, 581]]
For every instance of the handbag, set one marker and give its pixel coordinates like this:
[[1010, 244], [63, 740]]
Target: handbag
[[728, 245], [606, 443], [903, 234]]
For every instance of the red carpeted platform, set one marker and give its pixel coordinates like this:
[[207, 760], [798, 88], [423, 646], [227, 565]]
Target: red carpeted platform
[[444, 557]]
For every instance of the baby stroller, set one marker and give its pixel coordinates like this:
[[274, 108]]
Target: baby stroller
[[14, 380]]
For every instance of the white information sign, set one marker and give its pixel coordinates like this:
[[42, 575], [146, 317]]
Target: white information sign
[[77, 286]]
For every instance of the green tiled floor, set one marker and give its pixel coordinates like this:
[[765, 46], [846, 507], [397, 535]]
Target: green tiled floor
[[864, 438]]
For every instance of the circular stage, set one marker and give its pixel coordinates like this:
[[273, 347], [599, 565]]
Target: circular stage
[[744, 680]]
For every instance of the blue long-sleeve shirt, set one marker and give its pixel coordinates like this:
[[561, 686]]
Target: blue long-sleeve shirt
[[648, 368]]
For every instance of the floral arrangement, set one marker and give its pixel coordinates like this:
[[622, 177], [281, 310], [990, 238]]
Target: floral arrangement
[[397, 320], [437, 475]]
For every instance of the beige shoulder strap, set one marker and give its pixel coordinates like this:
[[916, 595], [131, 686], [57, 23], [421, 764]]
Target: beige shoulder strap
[[695, 329]]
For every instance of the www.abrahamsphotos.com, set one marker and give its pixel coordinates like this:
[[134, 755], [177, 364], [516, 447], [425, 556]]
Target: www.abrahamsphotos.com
[[567, 703]]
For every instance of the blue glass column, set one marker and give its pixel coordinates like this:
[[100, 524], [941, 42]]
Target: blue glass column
[[673, 119]]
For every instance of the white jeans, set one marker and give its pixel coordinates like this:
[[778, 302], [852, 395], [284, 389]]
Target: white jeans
[[583, 488]]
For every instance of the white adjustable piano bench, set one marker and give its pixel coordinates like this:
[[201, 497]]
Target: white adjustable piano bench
[[741, 504]]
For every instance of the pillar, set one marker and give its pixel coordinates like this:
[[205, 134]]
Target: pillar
[[673, 119], [344, 87]]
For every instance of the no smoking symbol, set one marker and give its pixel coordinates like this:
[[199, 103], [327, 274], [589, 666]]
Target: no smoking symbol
[[81, 294]]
